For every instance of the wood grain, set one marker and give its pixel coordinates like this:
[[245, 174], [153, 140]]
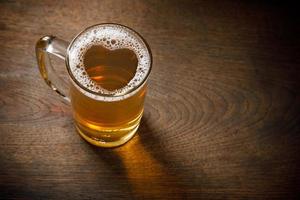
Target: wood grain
[[222, 115]]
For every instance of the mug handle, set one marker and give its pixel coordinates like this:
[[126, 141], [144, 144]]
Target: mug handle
[[55, 46]]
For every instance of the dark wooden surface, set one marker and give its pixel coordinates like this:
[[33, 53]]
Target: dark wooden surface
[[221, 118]]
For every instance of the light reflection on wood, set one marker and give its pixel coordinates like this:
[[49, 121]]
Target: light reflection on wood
[[148, 177]]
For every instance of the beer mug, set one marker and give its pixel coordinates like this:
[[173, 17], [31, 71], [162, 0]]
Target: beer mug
[[108, 67]]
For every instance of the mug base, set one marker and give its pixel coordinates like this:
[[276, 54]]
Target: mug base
[[106, 142]]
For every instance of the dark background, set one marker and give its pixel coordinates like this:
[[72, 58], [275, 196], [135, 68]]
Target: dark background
[[221, 118]]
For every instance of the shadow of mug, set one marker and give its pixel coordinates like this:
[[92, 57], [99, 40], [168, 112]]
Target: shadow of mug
[[148, 177]]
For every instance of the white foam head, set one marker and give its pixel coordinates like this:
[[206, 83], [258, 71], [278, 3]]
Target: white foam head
[[110, 36]]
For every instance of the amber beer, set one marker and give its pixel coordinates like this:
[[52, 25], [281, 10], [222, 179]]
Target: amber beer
[[109, 73], [108, 122], [108, 66]]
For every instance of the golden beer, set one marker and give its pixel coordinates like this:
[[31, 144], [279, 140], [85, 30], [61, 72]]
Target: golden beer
[[108, 65], [108, 123]]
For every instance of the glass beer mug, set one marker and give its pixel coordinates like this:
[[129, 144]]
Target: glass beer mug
[[108, 66]]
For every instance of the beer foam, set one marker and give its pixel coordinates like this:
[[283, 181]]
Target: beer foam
[[110, 36]]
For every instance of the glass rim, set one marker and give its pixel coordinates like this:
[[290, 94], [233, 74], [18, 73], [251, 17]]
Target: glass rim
[[101, 94]]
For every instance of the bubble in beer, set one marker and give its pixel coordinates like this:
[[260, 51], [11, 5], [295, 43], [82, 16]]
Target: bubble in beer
[[112, 37]]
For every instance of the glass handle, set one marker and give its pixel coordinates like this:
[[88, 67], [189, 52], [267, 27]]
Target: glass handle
[[51, 45]]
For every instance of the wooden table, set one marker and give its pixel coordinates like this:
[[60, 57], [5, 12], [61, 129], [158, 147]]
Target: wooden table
[[222, 115]]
